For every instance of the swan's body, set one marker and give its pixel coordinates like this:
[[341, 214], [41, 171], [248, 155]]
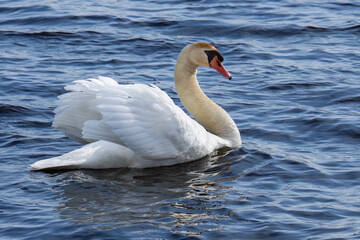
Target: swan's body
[[138, 125]]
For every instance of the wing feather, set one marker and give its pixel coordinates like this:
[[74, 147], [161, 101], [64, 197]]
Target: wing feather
[[140, 117], [147, 121]]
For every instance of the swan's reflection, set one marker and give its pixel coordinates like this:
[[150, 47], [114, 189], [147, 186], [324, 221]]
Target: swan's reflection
[[186, 198]]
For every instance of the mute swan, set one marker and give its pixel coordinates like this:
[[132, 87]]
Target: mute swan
[[139, 126]]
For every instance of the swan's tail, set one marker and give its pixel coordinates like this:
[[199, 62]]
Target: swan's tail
[[97, 155]]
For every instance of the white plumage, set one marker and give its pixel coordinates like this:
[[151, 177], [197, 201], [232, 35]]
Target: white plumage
[[126, 126], [143, 118]]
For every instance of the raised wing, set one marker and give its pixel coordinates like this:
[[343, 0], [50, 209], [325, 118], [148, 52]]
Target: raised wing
[[78, 106], [147, 121], [140, 117]]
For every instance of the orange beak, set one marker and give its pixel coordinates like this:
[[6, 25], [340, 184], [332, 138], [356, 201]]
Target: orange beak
[[217, 65]]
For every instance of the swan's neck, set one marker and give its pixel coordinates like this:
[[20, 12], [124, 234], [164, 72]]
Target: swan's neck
[[205, 111]]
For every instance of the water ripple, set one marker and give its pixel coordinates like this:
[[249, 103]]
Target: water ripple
[[294, 96]]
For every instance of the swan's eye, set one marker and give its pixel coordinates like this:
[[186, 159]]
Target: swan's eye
[[212, 53]]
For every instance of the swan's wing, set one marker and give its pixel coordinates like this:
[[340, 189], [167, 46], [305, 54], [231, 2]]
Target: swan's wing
[[140, 117], [79, 106], [147, 121]]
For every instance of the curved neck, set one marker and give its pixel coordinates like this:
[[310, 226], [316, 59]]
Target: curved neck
[[205, 111]]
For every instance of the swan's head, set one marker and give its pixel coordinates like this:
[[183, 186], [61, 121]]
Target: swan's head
[[204, 54]]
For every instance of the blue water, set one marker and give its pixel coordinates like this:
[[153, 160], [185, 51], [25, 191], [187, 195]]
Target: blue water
[[295, 96]]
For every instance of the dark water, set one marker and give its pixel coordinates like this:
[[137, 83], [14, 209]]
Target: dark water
[[295, 96]]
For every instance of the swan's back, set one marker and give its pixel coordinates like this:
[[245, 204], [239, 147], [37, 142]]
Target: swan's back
[[141, 117]]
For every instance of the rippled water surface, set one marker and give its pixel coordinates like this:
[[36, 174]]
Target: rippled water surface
[[295, 96]]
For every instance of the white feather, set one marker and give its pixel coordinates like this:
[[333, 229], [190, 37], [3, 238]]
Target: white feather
[[139, 125], [131, 126]]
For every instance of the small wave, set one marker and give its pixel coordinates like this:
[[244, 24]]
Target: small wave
[[47, 34], [35, 124], [23, 140], [346, 4], [62, 20], [288, 30], [12, 109], [258, 154], [156, 23], [24, 9], [270, 135], [355, 28], [193, 27], [346, 131], [319, 129], [294, 85], [347, 99]]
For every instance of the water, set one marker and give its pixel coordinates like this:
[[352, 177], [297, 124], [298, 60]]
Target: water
[[295, 96]]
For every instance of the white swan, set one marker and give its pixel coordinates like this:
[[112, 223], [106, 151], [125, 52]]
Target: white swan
[[139, 126]]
